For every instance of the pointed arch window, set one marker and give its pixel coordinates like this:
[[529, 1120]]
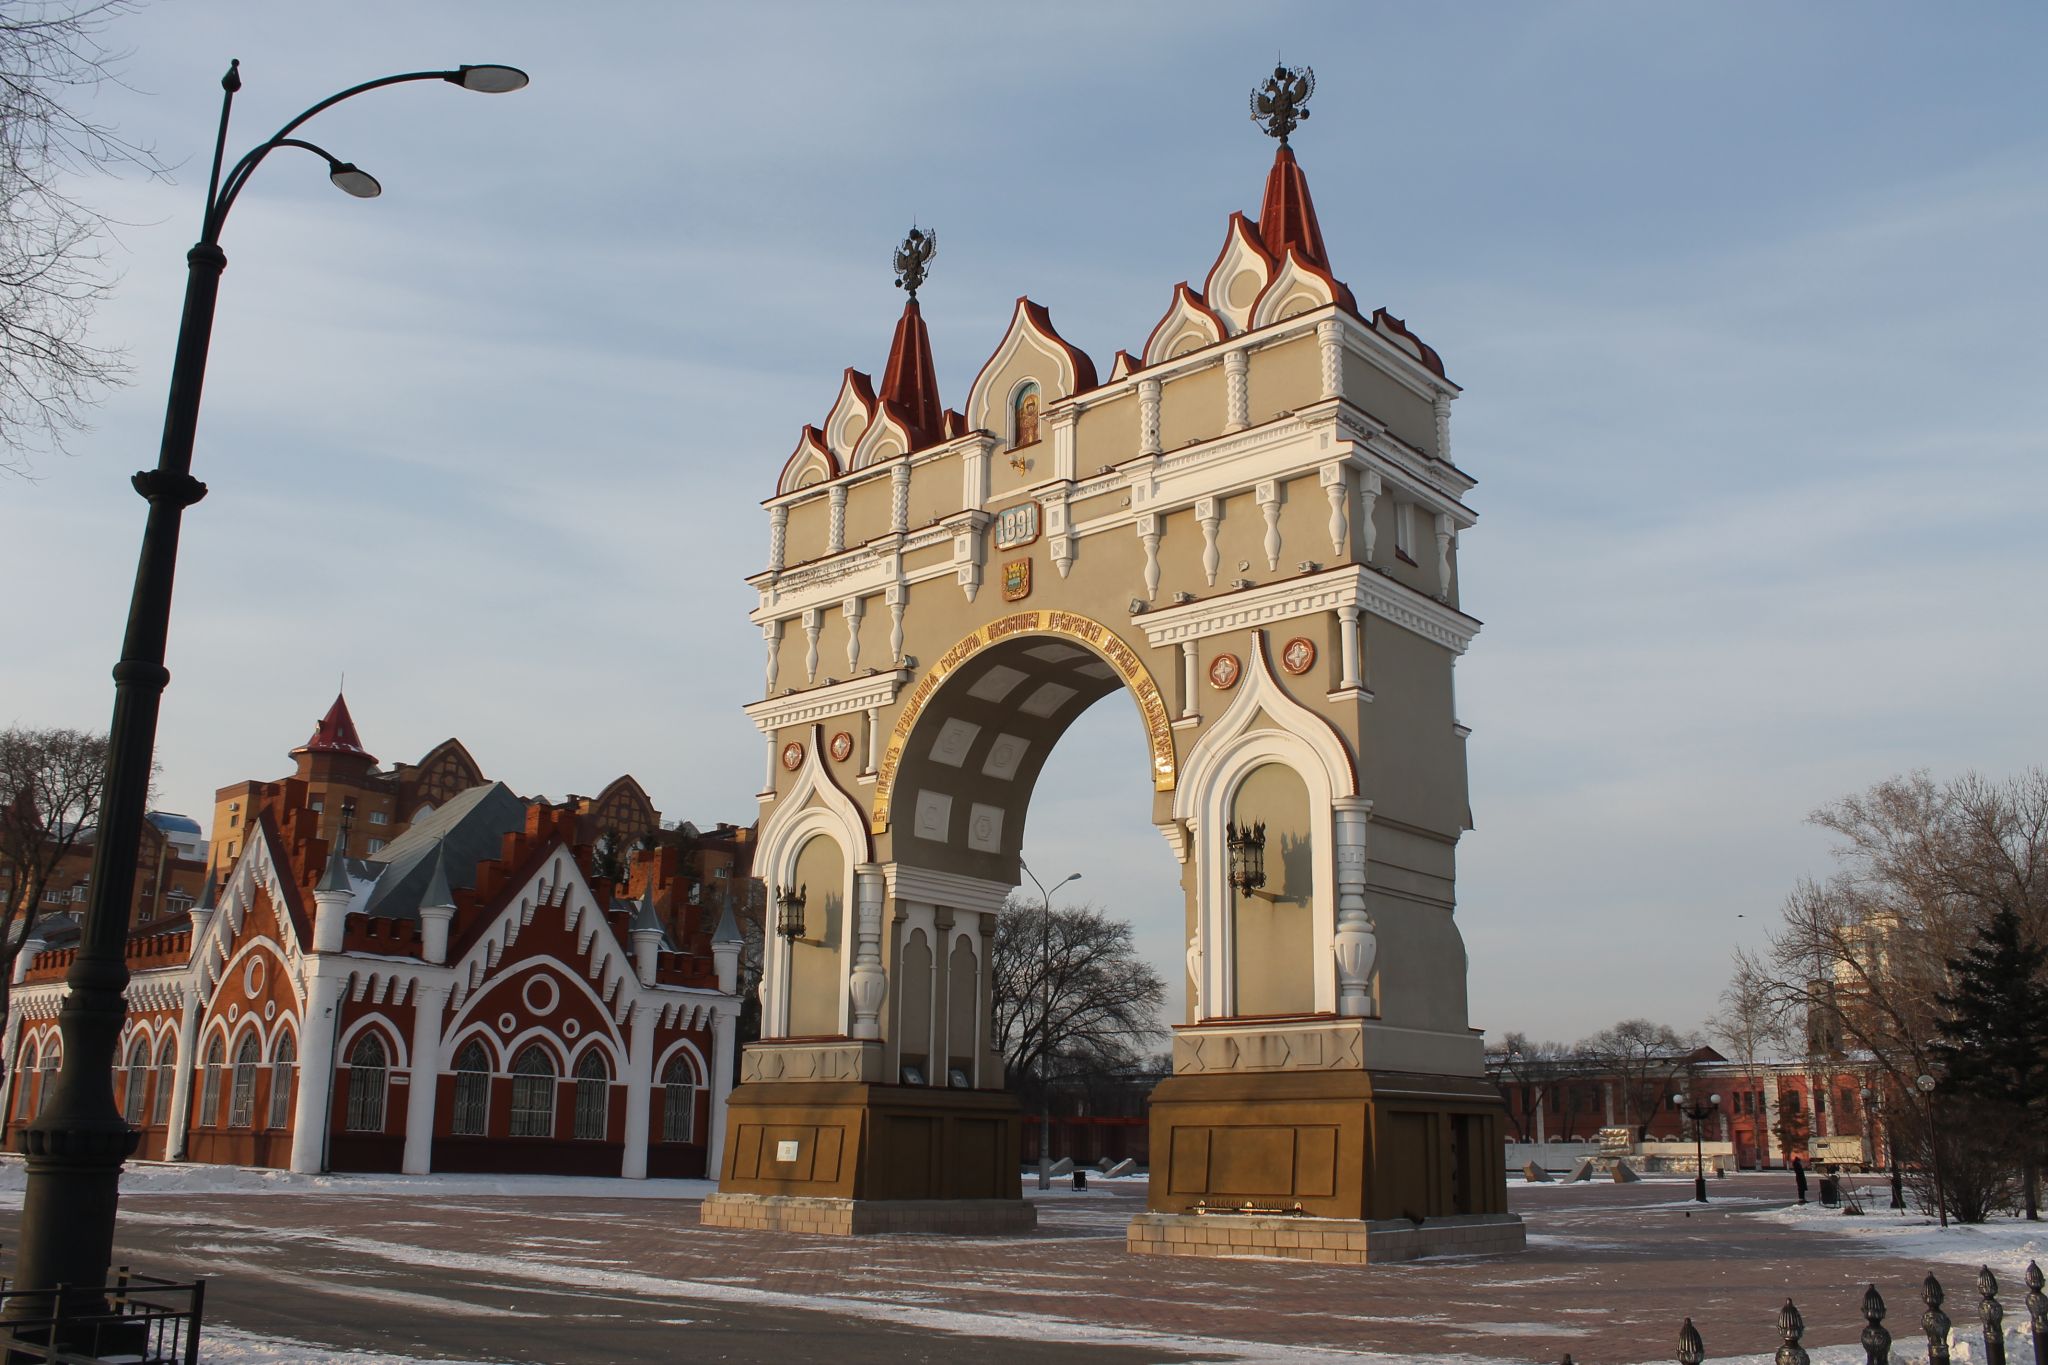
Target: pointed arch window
[[46, 1080], [472, 1091], [533, 1093], [209, 1090], [24, 1079], [593, 1096], [1024, 414], [368, 1068], [135, 1095], [166, 1080], [282, 1063], [242, 1102], [679, 1099]]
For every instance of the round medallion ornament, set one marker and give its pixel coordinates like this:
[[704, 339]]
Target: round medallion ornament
[[1223, 671], [842, 747], [540, 995], [792, 755], [1299, 656], [570, 1028], [506, 1023], [270, 1009], [252, 977]]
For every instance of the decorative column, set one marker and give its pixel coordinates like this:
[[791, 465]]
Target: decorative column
[[1330, 338], [869, 985], [180, 1117], [778, 537], [1148, 417], [768, 779], [852, 609], [835, 530], [639, 1079], [1268, 495], [898, 597], [771, 635], [313, 1111], [429, 999], [1189, 675], [814, 622], [1237, 390], [1209, 514], [1355, 944], [1443, 427], [1369, 489], [899, 498], [1446, 536], [1194, 957], [1353, 671], [721, 1086], [1148, 533], [1338, 489], [874, 733]]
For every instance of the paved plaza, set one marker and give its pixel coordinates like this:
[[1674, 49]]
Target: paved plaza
[[492, 1272]]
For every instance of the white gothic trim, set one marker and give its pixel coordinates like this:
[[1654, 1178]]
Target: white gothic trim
[[1024, 333], [793, 823]]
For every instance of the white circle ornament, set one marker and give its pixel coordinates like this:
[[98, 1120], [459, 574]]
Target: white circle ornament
[[506, 1023], [234, 1013], [540, 995], [570, 1028], [1223, 671], [252, 977], [270, 1009], [1299, 656]]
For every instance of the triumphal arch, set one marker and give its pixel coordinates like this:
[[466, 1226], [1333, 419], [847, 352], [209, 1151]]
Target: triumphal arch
[[1249, 527]]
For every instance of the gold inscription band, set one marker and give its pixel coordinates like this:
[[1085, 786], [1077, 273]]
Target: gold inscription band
[[1098, 637]]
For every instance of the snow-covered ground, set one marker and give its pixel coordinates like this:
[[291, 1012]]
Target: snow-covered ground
[[141, 1178], [2004, 1244], [227, 1346]]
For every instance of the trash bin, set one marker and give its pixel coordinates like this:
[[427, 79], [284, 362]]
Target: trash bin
[[1080, 1177], [1830, 1192]]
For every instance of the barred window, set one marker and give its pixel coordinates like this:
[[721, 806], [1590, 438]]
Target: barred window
[[472, 1091], [282, 1063], [46, 1084], [166, 1080], [366, 1073], [23, 1078], [533, 1094], [593, 1096], [209, 1091], [136, 1097], [679, 1099], [242, 1102]]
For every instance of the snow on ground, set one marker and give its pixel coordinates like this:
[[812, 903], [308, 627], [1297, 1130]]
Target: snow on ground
[[227, 1346], [2004, 1244], [173, 1177]]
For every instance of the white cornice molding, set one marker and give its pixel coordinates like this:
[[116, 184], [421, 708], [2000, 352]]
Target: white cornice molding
[[833, 699], [950, 889], [1350, 587]]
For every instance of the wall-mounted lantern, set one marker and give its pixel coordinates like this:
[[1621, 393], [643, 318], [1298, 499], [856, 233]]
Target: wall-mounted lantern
[[1247, 844], [789, 913]]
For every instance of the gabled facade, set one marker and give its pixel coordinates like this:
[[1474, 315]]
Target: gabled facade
[[468, 997]]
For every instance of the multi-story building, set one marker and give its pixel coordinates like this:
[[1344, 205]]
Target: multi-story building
[[170, 873]]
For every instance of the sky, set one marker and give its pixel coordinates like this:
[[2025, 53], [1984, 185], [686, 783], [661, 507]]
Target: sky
[[1746, 301]]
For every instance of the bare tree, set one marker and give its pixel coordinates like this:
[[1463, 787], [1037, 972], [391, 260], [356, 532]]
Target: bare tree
[[1071, 994], [52, 271], [1537, 1068], [1643, 1057], [50, 786]]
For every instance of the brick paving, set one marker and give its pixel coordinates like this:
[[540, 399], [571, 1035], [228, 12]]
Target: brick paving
[[1609, 1273]]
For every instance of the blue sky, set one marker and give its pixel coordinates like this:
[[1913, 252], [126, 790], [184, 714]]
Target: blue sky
[[1747, 302]]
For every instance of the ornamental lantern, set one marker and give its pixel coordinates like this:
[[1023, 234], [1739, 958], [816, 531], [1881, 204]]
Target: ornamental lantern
[[789, 913], [1247, 844]]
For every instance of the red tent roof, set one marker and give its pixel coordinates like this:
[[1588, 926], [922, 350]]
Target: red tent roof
[[335, 734], [911, 384], [1287, 218]]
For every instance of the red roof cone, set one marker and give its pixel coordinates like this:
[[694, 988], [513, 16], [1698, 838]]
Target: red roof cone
[[1287, 218], [911, 384], [335, 734]]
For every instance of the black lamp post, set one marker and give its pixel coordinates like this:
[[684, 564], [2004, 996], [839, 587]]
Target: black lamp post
[[1699, 1114], [1045, 1022], [76, 1145], [1926, 1085]]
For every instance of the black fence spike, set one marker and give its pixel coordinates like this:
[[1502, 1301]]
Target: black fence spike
[[2037, 1313], [1991, 1316], [1691, 1350], [1934, 1322], [1877, 1341], [1791, 1327]]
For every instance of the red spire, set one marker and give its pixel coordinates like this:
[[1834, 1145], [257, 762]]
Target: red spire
[[911, 385], [335, 734], [1288, 216]]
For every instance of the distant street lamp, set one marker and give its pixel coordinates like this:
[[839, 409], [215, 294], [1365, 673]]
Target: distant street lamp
[[1045, 1021], [1699, 1114], [1926, 1084], [1873, 1109], [75, 1147]]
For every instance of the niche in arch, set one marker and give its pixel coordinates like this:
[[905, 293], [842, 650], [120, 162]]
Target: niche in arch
[[814, 959], [1273, 929]]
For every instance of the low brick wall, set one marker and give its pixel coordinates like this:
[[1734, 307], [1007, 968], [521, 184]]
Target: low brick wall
[[1334, 1240], [867, 1217]]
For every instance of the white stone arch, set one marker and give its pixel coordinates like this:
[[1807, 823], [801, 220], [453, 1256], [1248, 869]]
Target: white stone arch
[[395, 1054], [1189, 325], [1296, 288], [476, 1031], [280, 964], [701, 1067], [1241, 273], [1060, 369], [814, 806], [1239, 742], [885, 438], [614, 1056], [287, 1026]]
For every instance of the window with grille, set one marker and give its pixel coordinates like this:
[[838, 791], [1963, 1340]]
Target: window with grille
[[242, 1100], [136, 1095], [367, 1069], [593, 1096], [209, 1091], [678, 1099], [166, 1078], [281, 1065], [22, 1078], [533, 1094], [472, 1091], [53, 1056]]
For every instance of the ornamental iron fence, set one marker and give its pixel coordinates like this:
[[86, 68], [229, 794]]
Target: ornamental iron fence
[[136, 1320]]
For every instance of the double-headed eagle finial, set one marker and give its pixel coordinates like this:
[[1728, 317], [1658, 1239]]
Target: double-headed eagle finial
[[1282, 102], [914, 259]]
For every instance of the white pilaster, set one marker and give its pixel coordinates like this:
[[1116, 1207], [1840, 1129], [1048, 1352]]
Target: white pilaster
[[874, 740], [180, 1117], [1189, 676], [899, 497], [1237, 390], [768, 778], [1355, 944], [311, 1113], [1148, 417], [721, 1086], [1330, 338], [868, 985], [1352, 675], [778, 537], [1443, 426], [835, 530], [429, 999], [639, 1079]]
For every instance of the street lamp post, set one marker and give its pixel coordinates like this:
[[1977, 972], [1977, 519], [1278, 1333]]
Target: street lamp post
[[76, 1145], [1044, 1021], [1873, 1107], [1699, 1114], [1926, 1083]]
